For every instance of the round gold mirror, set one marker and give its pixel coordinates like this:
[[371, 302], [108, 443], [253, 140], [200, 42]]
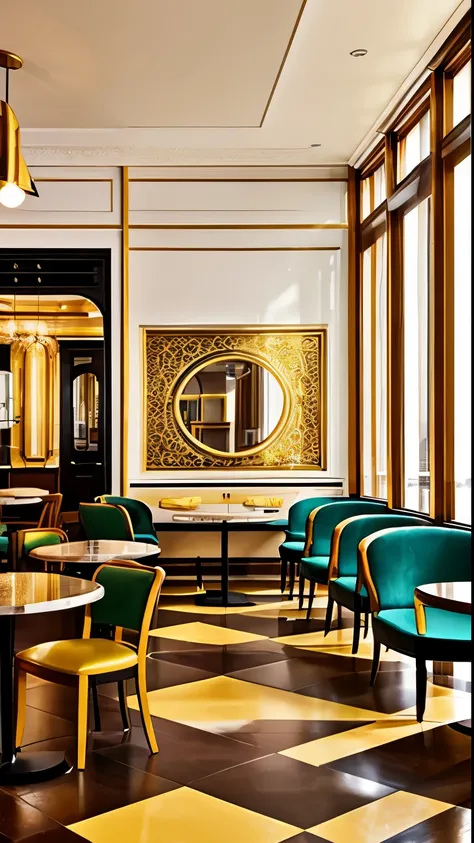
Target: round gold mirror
[[231, 404]]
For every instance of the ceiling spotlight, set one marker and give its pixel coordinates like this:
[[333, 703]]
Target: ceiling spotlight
[[358, 54], [315, 145]]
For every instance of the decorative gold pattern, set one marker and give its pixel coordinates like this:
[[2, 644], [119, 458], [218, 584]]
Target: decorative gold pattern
[[298, 358]]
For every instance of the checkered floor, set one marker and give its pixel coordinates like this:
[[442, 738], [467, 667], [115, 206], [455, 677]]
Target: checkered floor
[[268, 732]]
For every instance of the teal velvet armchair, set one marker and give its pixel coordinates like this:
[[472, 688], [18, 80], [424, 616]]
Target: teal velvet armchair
[[393, 563]]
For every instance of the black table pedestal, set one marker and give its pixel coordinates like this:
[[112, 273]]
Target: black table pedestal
[[19, 768], [222, 596]]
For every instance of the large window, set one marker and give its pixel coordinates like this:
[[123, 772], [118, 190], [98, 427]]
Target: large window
[[416, 251], [373, 191], [374, 369], [414, 147], [462, 94], [462, 341]]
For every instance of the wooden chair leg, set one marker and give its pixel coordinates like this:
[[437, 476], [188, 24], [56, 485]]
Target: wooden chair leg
[[356, 634], [339, 615], [198, 571], [292, 574], [82, 712], [95, 704], [328, 621], [20, 685], [300, 590], [312, 586], [122, 693], [366, 625], [375, 662], [144, 708], [283, 573], [421, 680]]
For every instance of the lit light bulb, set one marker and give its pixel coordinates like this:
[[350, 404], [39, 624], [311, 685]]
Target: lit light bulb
[[11, 195]]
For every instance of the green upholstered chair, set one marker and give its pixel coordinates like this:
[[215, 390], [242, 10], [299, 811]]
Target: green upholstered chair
[[104, 521], [3, 542], [140, 516], [321, 523], [343, 564], [129, 602], [393, 563], [24, 541], [291, 550]]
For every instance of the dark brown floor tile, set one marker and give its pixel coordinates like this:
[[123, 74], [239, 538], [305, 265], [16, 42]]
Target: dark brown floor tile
[[187, 755], [225, 660], [280, 626], [290, 791], [276, 735], [59, 834], [292, 674], [393, 691], [160, 674], [435, 763], [104, 786], [18, 819], [453, 826], [62, 703], [166, 617], [305, 837], [40, 726]]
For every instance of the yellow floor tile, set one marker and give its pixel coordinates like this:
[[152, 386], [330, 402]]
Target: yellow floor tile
[[222, 702], [339, 642], [443, 705], [205, 633], [381, 819], [328, 749], [183, 816], [180, 590], [192, 609]]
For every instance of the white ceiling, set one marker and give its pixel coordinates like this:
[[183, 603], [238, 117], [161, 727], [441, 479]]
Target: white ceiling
[[198, 76]]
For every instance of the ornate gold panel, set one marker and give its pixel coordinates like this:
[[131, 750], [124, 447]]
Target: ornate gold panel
[[296, 357]]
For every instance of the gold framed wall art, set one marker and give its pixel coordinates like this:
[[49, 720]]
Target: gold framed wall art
[[263, 389]]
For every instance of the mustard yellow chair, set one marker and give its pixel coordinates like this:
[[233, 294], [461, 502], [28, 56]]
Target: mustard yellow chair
[[131, 595]]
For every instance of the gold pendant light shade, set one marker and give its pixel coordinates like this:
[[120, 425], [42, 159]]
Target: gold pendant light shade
[[15, 179]]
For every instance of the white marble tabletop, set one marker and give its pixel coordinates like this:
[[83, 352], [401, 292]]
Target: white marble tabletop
[[31, 593], [94, 552]]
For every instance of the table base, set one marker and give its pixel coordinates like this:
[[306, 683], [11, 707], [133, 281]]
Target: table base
[[216, 598], [30, 767], [464, 727]]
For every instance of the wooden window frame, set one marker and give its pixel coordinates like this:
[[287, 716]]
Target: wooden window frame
[[431, 177]]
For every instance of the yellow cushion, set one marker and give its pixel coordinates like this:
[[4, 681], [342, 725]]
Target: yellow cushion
[[260, 500], [180, 503], [81, 656]]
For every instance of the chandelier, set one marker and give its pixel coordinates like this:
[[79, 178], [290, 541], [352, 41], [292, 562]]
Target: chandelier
[[29, 335], [15, 179]]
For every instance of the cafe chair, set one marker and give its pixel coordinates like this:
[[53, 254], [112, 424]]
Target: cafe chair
[[393, 563], [291, 550], [105, 521], [322, 521], [24, 541], [131, 595], [344, 589], [140, 516]]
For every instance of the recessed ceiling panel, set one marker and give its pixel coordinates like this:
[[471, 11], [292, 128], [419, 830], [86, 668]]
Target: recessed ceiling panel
[[151, 63]]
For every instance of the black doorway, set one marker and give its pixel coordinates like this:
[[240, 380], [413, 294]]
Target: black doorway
[[82, 272]]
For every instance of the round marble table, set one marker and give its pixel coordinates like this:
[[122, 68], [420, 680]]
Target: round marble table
[[22, 496], [228, 521], [94, 552], [29, 593]]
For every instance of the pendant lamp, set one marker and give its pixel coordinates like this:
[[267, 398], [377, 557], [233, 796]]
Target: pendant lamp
[[15, 180]]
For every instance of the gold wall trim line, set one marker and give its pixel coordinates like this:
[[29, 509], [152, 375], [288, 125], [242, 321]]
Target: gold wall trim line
[[124, 345], [244, 227], [234, 248], [283, 62], [80, 226], [241, 181]]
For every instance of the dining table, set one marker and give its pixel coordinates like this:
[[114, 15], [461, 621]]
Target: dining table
[[23, 593], [94, 552], [453, 597]]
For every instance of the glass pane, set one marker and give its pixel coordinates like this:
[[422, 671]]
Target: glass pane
[[366, 206], [462, 341], [381, 366], [85, 408], [367, 484], [417, 146], [462, 94], [416, 357], [379, 186]]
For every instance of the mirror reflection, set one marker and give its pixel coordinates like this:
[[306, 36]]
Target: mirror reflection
[[231, 405], [85, 405]]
